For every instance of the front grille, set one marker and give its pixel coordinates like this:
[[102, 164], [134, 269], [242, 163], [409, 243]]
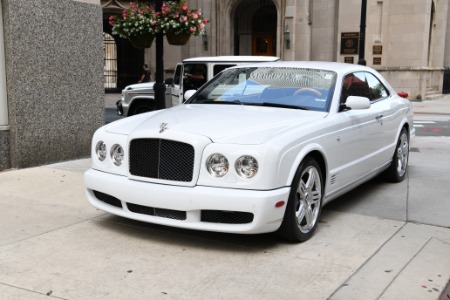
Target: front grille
[[226, 217], [157, 212], [108, 199], [161, 159]]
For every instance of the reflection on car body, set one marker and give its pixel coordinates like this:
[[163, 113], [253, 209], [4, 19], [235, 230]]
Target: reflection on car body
[[259, 148]]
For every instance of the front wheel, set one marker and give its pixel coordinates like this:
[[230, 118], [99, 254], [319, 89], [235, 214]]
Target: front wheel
[[397, 169], [140, 108], [304, 204]]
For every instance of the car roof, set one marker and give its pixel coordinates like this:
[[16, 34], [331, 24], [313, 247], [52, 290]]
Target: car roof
[[231, 58], [338, 67]]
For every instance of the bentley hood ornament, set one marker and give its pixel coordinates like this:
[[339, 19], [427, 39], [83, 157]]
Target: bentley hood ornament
[[163, 127]]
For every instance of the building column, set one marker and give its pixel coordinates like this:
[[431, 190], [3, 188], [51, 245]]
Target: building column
[[4, 123]]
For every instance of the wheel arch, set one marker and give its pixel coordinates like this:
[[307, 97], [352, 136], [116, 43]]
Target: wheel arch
[[137, 101], [318, 154]]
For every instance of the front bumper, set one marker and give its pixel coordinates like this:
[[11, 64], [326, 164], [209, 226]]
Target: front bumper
[[186, 207]]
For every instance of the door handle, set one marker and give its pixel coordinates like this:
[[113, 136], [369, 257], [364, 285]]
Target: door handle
[[379, 118]]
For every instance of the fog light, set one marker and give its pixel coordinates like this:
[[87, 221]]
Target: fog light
[[100, 150]]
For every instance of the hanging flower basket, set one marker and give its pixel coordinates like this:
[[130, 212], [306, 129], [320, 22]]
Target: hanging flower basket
[[177, 39], [142, 41]]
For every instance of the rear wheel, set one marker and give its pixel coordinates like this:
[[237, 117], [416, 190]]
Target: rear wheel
[[304, 204], [397, 169]]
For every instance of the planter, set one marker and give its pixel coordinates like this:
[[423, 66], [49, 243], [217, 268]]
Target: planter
[[142, 41], [177, 39]]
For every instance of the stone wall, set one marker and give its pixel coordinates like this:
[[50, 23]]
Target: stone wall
[[54, 70]]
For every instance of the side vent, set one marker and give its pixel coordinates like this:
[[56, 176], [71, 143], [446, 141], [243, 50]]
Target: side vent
[[333, 179]]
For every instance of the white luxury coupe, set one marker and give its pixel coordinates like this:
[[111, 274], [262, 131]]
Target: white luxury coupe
[[259, 148]]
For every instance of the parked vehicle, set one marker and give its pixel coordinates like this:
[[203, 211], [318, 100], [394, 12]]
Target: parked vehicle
[[259, 148], [189, 74]]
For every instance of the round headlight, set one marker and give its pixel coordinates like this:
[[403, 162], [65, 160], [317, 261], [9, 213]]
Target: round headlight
[[246, 166], [100, 150], [217, 165], [117, 154]]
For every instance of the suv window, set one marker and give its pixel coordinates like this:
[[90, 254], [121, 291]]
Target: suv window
[[177, 75], [219, 68], [195, 75]]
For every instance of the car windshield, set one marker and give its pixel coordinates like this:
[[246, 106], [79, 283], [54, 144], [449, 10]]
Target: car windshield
[[295, 88]]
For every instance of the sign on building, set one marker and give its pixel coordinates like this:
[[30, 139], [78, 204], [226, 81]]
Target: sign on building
[[349, 43]]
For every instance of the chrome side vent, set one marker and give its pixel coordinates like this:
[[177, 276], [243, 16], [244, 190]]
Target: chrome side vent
[[333, 179]]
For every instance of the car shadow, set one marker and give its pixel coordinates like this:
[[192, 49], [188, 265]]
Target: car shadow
[[190, 238], [376, 198]]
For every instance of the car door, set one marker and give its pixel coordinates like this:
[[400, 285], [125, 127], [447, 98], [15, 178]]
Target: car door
[[358, 133], [177, 89], [388, 117]]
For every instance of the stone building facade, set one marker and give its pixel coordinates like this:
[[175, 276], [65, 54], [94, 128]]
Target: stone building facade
[[53, 74], [406, 40], [51, 80]]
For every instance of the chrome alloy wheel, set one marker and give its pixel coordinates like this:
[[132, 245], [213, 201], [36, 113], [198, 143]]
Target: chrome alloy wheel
[[402, 154], [308, 197]]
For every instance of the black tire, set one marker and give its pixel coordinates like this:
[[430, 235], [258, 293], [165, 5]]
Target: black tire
[[399, 166], [304, 204], [140, 108]]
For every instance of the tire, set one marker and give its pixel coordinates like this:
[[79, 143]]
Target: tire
[[304, 204], [399, 166], [140, 108]]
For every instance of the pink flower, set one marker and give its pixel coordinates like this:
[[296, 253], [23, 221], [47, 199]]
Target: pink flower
[[193, 29], [195, 16], [185, 6]]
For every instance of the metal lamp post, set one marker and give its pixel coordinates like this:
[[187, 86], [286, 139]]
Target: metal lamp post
[[160, 86], [362, 28]]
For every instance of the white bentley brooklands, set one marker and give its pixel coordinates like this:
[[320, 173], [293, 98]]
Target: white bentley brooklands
[[259, 148]]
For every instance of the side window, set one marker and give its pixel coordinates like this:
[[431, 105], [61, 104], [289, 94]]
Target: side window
[[355, 84], [195, 75], [219, 68], [377, 90], [177, 75]]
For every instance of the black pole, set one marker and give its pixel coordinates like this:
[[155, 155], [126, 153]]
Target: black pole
[[362, 28], [160, 86]]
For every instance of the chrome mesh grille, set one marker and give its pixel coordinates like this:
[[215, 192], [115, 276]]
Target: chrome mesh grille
[[161, 159], [226, 217]]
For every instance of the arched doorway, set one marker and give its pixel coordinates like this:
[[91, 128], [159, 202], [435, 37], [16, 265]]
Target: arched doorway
[[255, 28]]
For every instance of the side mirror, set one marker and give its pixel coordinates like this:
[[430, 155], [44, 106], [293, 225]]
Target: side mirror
[[169, 81], [356, 102], [189, 94]]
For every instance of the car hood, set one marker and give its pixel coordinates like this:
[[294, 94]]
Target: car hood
[[138, 86], [220, 123]]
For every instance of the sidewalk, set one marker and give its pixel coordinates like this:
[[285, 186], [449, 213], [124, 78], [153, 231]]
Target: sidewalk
[[437, 106], [373, 244]]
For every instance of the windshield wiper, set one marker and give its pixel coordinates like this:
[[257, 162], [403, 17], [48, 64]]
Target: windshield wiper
[[283, 105]]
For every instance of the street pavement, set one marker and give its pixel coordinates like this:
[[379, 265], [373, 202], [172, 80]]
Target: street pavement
[[380, 241]]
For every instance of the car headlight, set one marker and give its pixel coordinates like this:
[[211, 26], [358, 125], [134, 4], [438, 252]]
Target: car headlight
[[217, 165], [246, 166], [117, 154], [100, 150]]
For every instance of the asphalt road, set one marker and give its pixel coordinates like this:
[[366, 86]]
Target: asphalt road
[[432, 125]]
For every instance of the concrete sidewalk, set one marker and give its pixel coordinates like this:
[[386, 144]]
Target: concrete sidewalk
[[437, 106], [382, 241]]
